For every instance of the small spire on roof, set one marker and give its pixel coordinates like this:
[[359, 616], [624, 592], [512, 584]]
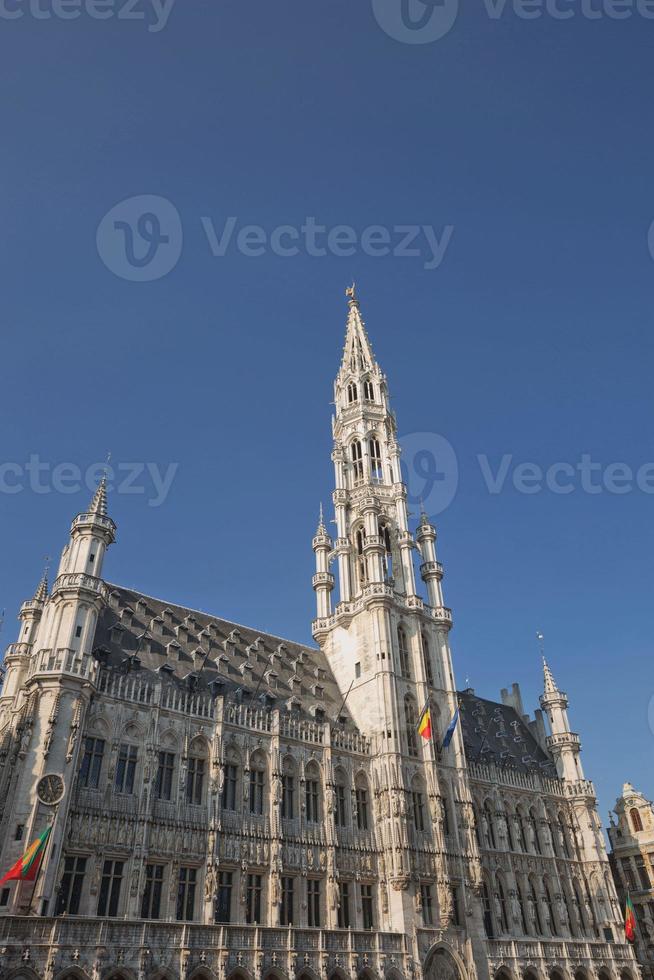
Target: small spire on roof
[[99, 502], [321, 521], [550, 683]]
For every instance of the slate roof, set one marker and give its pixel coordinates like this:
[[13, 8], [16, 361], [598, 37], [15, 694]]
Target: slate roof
[[191, 648], [496, 733]]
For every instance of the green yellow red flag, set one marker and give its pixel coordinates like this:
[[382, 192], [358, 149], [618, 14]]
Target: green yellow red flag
[[27, 867]]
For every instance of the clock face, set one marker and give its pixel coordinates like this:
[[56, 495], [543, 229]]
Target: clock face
[[50, 789]]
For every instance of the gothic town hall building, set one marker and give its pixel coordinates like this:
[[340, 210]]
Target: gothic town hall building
[[220, 810]]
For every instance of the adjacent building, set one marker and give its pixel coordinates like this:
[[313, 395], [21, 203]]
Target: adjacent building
[[631, 834]]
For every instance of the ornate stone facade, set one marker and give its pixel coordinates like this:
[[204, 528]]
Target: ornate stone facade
[[631, 834], [236, 805]]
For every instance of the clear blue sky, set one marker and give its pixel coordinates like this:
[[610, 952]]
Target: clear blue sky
[[533, 337]]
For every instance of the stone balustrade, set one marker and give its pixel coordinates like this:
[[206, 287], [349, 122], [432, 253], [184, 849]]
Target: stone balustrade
[[552, 952], [487, 772]]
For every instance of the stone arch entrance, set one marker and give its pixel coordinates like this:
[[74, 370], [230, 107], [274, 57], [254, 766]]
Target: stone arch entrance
[[443, 964]]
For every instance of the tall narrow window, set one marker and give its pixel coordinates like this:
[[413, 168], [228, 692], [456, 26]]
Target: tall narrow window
[[534, 831], [403, 649], [374, 449], [163, 786], [288, 797], [344, 905], [368, 391], [312, 800], [410, 722], [112, 877], [288, 895], [564, 836], [72, 881], [126, 769], [224, 898], [523, 911], [501, 898], [357, 461], [445, 806], [340, 815], [229, 788], [352, 393], [89, 773], [636, 821], [367, 909], [256, 791], [426, 659], [187, 883], [194, 780], [253, 900], [151, 903], [418, 811], [535, 911], [427, 905], [489, 829], [362, 808], [488, 913], [385, 535], [313, 902]]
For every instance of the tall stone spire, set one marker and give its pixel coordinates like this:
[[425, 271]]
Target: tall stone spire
[[41, 593], [357, 351]]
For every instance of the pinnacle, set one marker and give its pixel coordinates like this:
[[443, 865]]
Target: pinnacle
[[41, 593], [357, 352], [550, 683], [99, 502]]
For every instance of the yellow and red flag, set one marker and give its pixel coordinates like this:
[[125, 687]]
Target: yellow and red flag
[[27, 867], [630, 921], [424, 725]]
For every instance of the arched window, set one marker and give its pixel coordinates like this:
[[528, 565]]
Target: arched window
[[195, 772], [509, 831], [357, 461], [360, 543], [340, 789], [579, 905], [257, 784], [352, 393], [403, 648], [636, 821], [368, 390], [426, 658], [411, 722], [488, 913], [312, 793], [385, 535], [420, 820], [230, 776], [554, 837], [363, 802], [489, 830], [374, 449], [445, 808]]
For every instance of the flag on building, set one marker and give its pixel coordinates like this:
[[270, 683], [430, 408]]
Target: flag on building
[[424, 725], [27, 867], [630, 921], [450, 729]]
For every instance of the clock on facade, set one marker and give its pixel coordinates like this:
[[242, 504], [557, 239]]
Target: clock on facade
[[50, 789]]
